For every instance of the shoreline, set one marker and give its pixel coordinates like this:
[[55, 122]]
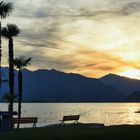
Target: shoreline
[[74, 102]]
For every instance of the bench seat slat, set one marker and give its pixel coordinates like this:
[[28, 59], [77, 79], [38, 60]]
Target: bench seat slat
[[26, 120], [74, 118]]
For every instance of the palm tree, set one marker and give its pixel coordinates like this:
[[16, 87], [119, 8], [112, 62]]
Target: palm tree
[[5, 10], [7, 97], [10, 31], [20, 63]]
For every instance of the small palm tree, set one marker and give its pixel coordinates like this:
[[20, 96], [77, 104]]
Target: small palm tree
[[20, 63], [10, 31], [7, 97], [5, 10]]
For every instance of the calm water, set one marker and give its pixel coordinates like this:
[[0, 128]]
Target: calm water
[[107, 113]]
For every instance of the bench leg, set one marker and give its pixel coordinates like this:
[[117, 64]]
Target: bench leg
[[62, 123], [14, 125], [76, 122], [34, 125]]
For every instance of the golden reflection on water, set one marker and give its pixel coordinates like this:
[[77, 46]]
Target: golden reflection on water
[[107, 113], [132, 116]]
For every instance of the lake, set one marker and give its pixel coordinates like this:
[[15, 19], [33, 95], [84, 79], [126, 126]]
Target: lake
[[107, 113]]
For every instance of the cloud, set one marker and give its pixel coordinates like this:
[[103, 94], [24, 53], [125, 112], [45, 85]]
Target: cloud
[[93, 64], [119, 10], [68, 9], [75, 35], [105, 68], [41, 60], [130, 8], [105, 60], [49, 16]]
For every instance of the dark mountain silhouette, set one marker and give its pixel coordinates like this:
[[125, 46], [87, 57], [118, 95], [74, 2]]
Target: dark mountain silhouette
[[52, 85], [121, 83], [134, 97]]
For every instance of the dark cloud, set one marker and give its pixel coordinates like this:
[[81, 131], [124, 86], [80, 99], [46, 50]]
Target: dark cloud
[[40, 60], [55, 63], [130, 8], [49, 32], [106, 68], [48, 19], [121, 10], [39, 44], [90, 65], [68, 9], [67, 12], [42, 34]]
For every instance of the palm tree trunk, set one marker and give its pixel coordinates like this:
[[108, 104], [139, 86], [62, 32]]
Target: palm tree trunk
[[11, 76], [0, 59], [20, 95]]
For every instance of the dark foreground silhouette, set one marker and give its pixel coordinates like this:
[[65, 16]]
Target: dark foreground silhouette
[[72, 132]]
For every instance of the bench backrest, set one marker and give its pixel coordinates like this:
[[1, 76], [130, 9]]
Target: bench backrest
[[26, 120], [71, 117]]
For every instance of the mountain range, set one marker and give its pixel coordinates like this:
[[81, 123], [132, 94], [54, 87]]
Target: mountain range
[[123, 84], [56, 86], [130, 87]]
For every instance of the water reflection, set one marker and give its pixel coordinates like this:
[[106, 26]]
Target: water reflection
[[107, 113]]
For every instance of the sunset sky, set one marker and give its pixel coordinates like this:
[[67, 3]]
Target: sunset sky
[[90, 37]]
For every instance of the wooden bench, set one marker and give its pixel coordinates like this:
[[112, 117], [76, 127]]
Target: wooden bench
[[26, 120], [74, 118]]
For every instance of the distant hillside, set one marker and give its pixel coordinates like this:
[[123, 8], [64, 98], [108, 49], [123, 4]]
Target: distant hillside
[[52, 85], [123, 84], [134, 97]]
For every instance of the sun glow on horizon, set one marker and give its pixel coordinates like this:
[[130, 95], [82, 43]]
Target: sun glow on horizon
[[132, 73]]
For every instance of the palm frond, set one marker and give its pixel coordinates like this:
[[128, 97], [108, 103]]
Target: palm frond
[[11, 30], [8, 97], [4, 32], [5, 9], [22, 62]]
